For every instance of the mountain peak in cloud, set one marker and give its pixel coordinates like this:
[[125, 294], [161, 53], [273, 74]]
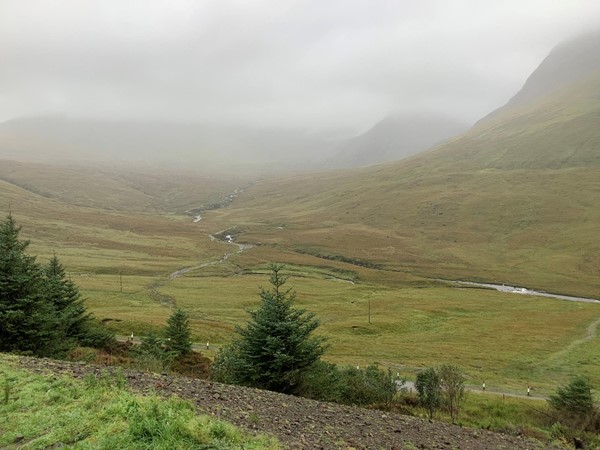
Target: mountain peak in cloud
[[567, 63], [397, 136]]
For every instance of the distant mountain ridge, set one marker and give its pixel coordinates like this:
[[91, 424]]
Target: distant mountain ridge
[[550, 122], [64, 139], [396, 137], [559, 130]]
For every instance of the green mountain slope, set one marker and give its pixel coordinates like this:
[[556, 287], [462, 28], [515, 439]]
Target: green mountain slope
[[559, 130], [568, 63]]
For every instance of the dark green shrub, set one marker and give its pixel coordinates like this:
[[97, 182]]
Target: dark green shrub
[[324, 382], [574, 403], [348, 385], [152, 355], [96, 335], [369, 386], [226, 365], [452, 383]]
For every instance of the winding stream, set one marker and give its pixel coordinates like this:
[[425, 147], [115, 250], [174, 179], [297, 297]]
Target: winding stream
[[229, 239], [154, 288], [525, 291]]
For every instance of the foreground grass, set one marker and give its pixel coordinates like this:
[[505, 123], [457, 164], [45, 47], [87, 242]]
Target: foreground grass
[[507, 414], [39, 411]]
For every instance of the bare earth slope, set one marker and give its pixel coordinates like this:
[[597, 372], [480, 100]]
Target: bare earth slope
[[301, 423]]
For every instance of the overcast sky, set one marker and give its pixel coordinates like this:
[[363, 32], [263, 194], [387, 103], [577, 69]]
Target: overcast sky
[[314, 64]]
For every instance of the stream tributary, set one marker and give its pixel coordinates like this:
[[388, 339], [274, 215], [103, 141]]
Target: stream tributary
[[525, 291]]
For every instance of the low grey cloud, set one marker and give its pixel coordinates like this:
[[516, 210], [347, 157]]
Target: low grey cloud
[[318, 65]]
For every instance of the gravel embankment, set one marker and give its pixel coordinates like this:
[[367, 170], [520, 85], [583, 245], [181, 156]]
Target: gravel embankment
[[301, 423]]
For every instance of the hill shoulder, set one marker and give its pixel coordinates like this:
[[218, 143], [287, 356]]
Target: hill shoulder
[[298, 422], [569, 62]]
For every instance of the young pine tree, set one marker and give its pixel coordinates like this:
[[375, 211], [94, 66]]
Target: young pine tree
[[73, 320], [275, 348], [28, 322], [178, 333], [574, 402]]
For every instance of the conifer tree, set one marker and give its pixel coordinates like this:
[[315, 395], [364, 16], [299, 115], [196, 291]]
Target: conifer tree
[[275, 348], [27, 320], [178, 333], [41, 312], [575, 400], [72, 319]]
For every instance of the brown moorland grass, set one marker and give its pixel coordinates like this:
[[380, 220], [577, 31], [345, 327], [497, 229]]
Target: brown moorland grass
[[507, 340], [101, 241], [531, 228], [125, 187]]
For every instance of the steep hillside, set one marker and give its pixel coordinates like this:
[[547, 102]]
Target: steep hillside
[[516, 200], [559, 130], [396, 137], [567, 63]]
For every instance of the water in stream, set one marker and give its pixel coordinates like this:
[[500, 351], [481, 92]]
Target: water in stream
[[525, 291]]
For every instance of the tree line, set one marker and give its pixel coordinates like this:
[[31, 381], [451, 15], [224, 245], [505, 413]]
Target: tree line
[[41, 311]]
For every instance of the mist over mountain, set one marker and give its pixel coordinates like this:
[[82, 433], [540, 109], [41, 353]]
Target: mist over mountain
[[567, 63], [552, 122], [523, 133], [396, 137], [59, 139]]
